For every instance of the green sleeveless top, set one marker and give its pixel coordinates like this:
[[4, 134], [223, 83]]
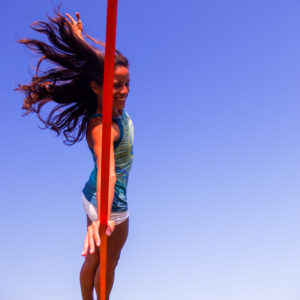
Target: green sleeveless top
[[123, 150]]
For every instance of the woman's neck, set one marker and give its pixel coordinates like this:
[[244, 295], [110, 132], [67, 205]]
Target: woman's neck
[[115, 112]]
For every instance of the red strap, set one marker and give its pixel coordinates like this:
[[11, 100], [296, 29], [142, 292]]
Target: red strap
[[109, 70]]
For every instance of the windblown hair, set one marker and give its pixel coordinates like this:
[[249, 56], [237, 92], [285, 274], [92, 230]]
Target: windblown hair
[[75, 63]]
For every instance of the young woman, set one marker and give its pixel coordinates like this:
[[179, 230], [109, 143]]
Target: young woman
[[75, 84]]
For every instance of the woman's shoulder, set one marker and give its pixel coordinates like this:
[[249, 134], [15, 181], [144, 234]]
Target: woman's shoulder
[[94, 131]]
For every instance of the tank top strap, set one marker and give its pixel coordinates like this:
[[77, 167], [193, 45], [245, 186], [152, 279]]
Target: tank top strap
[[95, 116], [100, 115]]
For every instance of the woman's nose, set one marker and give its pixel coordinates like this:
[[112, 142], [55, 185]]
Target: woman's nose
[[124, 89]]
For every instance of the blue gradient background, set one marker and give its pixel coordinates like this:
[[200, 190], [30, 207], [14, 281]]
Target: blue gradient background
[[214, 191]]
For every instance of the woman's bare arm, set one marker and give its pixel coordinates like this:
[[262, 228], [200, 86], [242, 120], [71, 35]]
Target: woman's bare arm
[[95, 137]]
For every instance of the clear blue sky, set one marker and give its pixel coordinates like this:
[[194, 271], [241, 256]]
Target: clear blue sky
[[214, 191]]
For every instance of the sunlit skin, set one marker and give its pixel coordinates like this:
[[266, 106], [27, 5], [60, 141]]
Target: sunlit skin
[[89, 275], [120, 91], [94, 139], [121, 88]]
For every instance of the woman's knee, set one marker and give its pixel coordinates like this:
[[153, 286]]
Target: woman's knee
[[89, 268], [112, 263]]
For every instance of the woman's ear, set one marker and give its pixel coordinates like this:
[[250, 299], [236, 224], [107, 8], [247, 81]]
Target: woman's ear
[[96, 88]]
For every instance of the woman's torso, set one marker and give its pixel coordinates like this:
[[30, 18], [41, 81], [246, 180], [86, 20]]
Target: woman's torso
[[123, 151]]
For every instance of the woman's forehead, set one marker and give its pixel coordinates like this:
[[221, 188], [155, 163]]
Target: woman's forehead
[[121, 72]]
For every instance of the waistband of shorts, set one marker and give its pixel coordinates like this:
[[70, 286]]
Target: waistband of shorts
[[91, 211]]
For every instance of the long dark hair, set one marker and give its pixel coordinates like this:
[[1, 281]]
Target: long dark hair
[[75, 63]]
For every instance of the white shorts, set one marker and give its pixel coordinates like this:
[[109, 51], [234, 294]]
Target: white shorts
[[91, 211]]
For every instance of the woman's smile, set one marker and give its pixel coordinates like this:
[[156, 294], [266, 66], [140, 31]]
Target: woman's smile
[[121, 87]]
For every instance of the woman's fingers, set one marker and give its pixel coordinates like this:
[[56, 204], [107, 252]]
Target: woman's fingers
[[108, 232], [76, 25], [91, 239], [96, 235], [85, 246], [79, 23], [73, 22], [92, 236], [78, 18], [71, 19], [110, 227]]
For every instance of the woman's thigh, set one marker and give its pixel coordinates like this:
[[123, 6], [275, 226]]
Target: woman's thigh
[[115, 244], [116, 241]]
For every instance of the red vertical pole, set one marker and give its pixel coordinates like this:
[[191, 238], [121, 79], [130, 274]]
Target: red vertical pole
[[109, 70]]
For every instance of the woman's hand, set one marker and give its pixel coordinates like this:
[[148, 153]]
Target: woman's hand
[[93, 236], [76, 26]]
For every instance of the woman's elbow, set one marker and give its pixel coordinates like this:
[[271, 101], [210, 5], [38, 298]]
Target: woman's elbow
[[113, 178]]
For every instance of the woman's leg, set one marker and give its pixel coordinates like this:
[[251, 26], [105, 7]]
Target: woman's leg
[[88, 272], [115, 244]]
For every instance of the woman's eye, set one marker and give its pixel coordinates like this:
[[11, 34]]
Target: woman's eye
[[117, 86], [120, 85]]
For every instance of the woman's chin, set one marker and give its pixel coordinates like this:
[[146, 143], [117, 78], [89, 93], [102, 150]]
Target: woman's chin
[[119, 105]]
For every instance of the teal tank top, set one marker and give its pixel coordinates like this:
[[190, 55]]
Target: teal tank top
[[123, 150]]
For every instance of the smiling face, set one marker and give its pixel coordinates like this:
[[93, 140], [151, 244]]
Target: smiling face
[[121, 87], [120, 90]]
